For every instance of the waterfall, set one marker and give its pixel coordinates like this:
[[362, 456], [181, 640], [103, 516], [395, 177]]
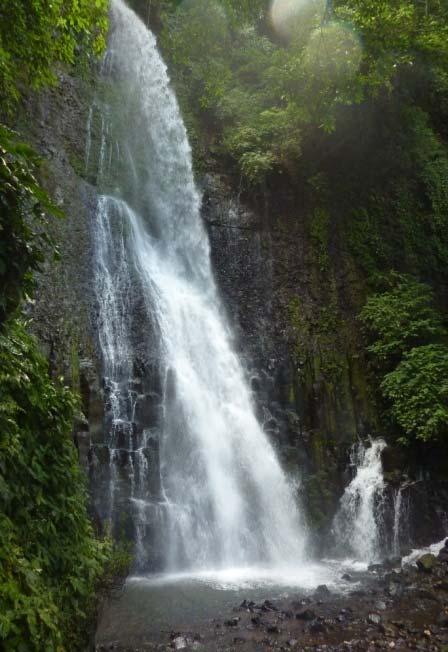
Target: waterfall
[[398, 501], [198, 477], [357, 524], [401, 508]]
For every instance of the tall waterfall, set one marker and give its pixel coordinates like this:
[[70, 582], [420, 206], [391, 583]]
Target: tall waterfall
[[358, 521], [218, 496]]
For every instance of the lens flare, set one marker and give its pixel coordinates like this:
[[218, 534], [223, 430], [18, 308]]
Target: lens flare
[[296, 18], [334, 52]]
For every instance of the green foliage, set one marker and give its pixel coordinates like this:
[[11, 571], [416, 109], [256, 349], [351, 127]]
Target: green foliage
[[411, 355], [418, 392], [34, 36], [266, 94], [319, 232], [401, 318], [395, 194], [396, 34], [49, 559], [23, 222]]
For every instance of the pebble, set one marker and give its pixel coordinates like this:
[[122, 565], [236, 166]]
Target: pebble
[[380, 605], [232, 622]]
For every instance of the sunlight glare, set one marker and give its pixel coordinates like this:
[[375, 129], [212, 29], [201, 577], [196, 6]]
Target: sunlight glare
[[293, 17], [334, 51]]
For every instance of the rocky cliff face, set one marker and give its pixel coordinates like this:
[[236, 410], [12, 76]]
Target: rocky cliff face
[[290, 297], [291, 290], [63, 310]]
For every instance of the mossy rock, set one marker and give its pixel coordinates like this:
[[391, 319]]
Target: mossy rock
[[426, 563]]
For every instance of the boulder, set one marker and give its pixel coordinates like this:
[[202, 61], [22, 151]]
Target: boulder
[[426, 563], [308, 614], [322, 592], [443, 554]]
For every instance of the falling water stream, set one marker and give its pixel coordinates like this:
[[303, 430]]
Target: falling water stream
[[358, 521], [224, 500], [185, 467]]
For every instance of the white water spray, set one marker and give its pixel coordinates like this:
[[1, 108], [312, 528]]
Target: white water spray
[[358, 521], [224, 499]]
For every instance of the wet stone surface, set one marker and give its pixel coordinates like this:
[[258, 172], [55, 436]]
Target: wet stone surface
[[373, 617]]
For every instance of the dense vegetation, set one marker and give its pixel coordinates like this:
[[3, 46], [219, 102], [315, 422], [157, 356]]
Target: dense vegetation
[[411, 353], [34, 36], [23, 221], [50, 560], [49, 557], [346, 103]]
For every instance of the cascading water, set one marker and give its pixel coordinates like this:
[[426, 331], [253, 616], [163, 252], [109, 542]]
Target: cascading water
[[398, 502], [400, 538], [220, 498], [358, 521]]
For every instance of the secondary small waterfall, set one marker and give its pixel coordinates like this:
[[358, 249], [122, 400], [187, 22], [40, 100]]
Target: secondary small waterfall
[[358, 522], [398, 509], [200, 477]]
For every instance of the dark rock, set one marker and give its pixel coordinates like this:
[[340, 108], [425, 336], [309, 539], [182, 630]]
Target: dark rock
[[308, 614], [392, 563], [318, 627], [232, 622], [375, 568], [256, 620], [426, 594], [426, 563], [393, 459], [443, 555], [394, 477], [268, 606], [442, 619], [321, 592], [273, 629], [347, 577]]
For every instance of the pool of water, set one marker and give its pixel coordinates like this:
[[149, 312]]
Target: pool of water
[[150, 607]]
